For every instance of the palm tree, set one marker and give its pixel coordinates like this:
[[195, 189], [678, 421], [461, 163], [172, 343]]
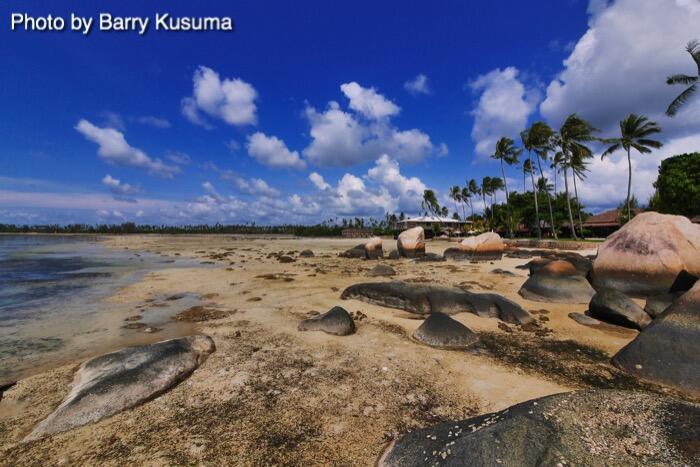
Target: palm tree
[[527, 169], [466, 197], [635, 131], [456, 195], [496, 186], [474, 190], [578, 170], [570, 139], [507, 152], [430, 203], [536, 138], [485, 190], [693, 48]]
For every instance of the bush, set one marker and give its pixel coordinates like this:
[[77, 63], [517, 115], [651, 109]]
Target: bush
[[678, 186]]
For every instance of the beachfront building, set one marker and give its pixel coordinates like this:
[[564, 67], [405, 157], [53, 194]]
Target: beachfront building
[[605, 223], [430, 223]]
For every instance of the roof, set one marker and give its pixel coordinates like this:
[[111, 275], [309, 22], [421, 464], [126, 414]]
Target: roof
[[440, 220], [606, 219]]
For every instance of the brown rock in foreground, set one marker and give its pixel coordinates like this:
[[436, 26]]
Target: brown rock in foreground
[[411, 242], [646, 256], [668, 351], [373, 248], [487, 246], [110, 383], [593, 427], [557, 282]]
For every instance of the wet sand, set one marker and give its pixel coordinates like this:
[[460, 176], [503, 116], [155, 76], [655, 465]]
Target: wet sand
[[273, 395]]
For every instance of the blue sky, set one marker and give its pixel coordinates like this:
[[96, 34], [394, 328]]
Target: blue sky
[[314, 109]]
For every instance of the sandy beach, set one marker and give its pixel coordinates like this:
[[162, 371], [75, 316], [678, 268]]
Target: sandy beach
[[271, 394]]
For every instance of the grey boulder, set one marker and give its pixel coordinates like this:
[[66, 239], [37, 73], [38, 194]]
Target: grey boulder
[[106, 385], [593, 427], [441, 331], [425, 299], [615, 307], [667, 351], [336, 321]]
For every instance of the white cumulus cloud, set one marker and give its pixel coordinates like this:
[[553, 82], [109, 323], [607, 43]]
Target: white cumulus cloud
[[619, 66], [342, 138], [121, 191], [114, 149], [368, 101], [503, 108], [272, 152], [231, 100], [418, 85]]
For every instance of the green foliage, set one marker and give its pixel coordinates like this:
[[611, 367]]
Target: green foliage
[[678, 186], [693, 48]]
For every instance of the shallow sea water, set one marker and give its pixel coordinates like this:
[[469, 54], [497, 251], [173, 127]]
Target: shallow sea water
[[52, 300]]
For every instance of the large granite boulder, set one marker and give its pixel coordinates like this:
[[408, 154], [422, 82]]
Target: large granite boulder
[[425, 299], [615, 307], [556, 282], [668, 350], [336, 321], [411, 242], [592, 427], [646, 256], [373, 248], [441, 331], [106, 385], [488, 246]]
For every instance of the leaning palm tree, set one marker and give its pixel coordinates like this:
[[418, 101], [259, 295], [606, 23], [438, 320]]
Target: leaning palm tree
[[456, 195], [693, 48], [571, 139], [536, 138], [430, 203], [634, 134], [506, 152]]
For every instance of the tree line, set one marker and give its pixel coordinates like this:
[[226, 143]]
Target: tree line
[[567, 151]]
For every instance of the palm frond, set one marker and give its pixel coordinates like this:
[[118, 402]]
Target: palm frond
[[680, 100], [681, 79], [693, 49], [614, 148], [652, 143]]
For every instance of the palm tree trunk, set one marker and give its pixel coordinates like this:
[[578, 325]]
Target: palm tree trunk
[[534, 193], [629, 185], [549, 201], [471, 205], [505, 184], [578, 206], [568, 204]]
